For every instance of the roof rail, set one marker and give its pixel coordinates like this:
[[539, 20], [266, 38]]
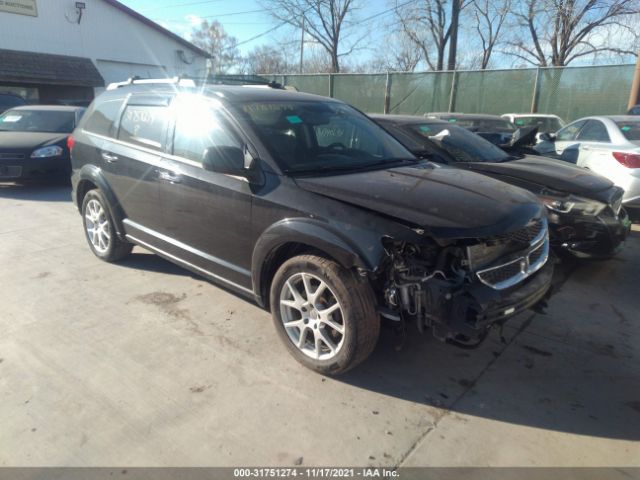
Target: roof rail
[[243, 80], [180, 81]]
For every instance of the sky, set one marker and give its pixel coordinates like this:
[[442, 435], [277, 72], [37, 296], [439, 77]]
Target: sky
[[242, 19]]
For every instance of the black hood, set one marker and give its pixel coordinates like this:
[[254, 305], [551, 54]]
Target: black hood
[[30, 140], [546, 172], [447, 202]]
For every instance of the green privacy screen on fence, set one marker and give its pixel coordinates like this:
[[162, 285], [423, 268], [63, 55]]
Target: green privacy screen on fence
[[569, 92]]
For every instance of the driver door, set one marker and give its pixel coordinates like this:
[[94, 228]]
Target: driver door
[[564, 147]]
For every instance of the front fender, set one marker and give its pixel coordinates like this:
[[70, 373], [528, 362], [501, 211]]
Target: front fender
[[94, 175], [360, 249]]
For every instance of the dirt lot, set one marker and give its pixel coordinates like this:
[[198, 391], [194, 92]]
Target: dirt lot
[[143, 364]]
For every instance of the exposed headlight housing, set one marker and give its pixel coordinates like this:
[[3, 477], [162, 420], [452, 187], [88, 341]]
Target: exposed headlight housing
[[44, 152], [574, 205]]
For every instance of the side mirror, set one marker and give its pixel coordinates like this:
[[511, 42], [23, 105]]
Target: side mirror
[[524, 136], [227, 160], [546, 137]]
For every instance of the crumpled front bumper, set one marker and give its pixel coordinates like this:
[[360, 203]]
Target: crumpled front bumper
[[589, 237], [475, 308]]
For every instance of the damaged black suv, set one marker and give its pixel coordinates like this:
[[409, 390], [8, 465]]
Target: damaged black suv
[[307, 206]]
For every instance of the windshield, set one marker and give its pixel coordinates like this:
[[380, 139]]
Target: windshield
[[314, 136], [461, 144], [630, 129], [483, 124], [48, 121], [544, 124]]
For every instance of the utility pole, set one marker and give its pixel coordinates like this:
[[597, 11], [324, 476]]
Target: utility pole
[[634, 96], [302, 46], [453, 38]]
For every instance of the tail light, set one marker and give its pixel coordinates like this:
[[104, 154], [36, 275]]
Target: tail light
[[629, 160], [70, 143]]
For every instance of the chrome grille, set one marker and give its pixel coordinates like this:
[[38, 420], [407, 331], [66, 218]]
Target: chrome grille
[[516, 270], [523, 235], [11, 156]]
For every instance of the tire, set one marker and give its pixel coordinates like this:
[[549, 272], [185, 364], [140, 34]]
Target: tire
[[326, 338], [104, 242]]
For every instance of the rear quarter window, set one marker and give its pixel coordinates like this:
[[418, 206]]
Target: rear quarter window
[[101, 118], [144, 125]]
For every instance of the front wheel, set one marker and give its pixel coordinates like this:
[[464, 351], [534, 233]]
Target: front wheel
[[324, 314]]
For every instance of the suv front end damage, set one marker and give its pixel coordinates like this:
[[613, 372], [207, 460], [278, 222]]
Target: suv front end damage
[[460, 290]]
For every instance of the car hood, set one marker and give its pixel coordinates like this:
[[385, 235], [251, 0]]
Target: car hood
[[554, 174], [26, 140], [446, 202]]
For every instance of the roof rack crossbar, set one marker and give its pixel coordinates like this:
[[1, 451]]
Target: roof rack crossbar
[[178, 80]]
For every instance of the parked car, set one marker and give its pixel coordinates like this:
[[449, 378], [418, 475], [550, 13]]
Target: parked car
[[493, 128], [608, 145], [543, 121], [33, 141], [9, 100], [635, 110], [585, 214], [305, 205]]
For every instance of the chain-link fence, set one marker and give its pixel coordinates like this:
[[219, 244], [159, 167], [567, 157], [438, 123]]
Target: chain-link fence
[[569, 92]]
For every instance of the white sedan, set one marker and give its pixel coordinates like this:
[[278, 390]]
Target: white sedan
[[608, 145]]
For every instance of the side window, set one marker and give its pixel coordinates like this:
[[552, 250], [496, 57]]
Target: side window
[[594, 131], [198, 127], [144, 125], [102, 117], [570, 132]]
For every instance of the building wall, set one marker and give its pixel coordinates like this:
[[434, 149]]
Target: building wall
[[119, 45]]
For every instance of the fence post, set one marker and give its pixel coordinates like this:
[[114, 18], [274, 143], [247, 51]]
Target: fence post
[[634, 96], [454, 87], [387, 94], [536, 92], [331, 85]]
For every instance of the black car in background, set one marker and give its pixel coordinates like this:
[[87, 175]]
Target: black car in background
[[585, 214], [307, 206], [496, 129], [10, 100], [635, 110], [33, 141]]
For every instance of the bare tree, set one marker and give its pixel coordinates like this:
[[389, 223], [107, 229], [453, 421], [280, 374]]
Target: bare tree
[[266, 59], [398, 54], [490, 17], [431, 28], [557, 32], [325, 21], [212, 38]]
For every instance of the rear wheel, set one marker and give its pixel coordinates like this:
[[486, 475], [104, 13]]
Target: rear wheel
[[99, 229], [324, 314]]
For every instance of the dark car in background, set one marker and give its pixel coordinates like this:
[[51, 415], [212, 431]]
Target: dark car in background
[[585, 214], [10, 100], [493, 128], [635, 110], [307, 206], [33, 141]]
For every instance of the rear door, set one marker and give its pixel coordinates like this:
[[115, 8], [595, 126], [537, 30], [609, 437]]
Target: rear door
[[130, 162], [206, 215]]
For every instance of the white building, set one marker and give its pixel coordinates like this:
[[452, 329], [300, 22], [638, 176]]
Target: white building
[[67, 51]]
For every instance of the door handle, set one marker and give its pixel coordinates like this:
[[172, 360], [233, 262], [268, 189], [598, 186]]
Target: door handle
[[169, 176], [108, 157]]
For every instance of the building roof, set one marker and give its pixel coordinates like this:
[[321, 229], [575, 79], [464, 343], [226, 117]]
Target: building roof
[[159, 28], [46, 68]]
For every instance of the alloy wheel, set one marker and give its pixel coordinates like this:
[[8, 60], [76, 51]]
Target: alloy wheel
[[312, 316], [97, 225]]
